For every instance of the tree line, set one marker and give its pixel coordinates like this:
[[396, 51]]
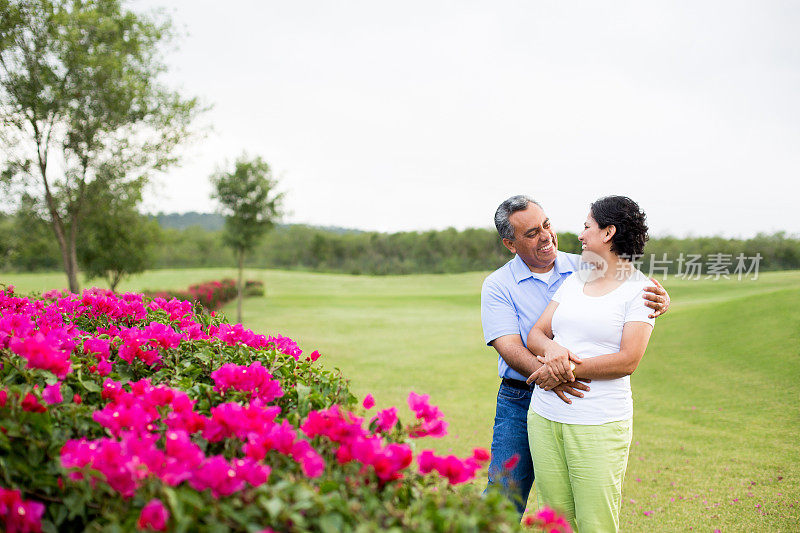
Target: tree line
[[31, 246]]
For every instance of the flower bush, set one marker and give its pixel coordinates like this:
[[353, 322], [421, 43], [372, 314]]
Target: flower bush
[[253, 288], [120, 412], [211, 294]]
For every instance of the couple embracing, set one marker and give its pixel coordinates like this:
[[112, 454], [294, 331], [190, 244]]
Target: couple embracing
[[568, 339]]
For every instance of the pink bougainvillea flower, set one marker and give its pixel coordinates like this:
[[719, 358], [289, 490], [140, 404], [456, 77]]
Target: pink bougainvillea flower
[[432, 428], [104, 368], [254, 379], [154, 516], [45, 351], [546, 519], [3, 398], [31, 403], [427, 461], [251, 471], [454, 469], [280, 437], [387, 419], [18, 515], [314, 355], [369, 402], [115, 460], [481, 454], [77, 398], [432, 420], [162, 335], [357, 444], [389, 461], [232, 419], [175, 308], [98, 347], [52, 394], [218, 475], [14, 325], [310, 461]]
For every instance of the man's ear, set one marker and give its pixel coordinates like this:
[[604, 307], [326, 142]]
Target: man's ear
[[610, 231], [508, 243]]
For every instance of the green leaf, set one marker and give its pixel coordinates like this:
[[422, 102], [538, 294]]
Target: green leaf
[[274, 506], [331, 523], [90, 386]]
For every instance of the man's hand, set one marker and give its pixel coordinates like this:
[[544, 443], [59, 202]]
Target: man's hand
[[544, 378], [559, 359], [657, 299], [572, 388]]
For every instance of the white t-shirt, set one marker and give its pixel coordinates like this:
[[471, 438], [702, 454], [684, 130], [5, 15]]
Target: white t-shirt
[[544, 276], [589, 326]]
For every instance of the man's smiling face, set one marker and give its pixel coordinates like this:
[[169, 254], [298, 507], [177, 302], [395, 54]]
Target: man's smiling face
[[534, 239]]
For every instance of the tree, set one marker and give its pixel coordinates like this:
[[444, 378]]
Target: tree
[[32, 244], [80, 91], [117, 240], [250, 205]]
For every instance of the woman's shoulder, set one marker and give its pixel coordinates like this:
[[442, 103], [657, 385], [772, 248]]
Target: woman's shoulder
[[637, 282], [573, 281]]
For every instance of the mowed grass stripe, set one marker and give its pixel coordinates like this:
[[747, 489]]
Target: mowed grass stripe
[[716, 418]]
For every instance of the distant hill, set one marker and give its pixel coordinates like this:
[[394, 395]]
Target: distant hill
[[215, 222], [207, 221]]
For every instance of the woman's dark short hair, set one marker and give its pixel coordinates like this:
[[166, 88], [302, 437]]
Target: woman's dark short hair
[[629, 220]]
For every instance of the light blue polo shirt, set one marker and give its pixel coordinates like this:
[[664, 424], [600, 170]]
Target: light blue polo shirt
[[512, 300]]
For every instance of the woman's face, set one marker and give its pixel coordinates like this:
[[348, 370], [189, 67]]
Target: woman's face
[[592, 237]]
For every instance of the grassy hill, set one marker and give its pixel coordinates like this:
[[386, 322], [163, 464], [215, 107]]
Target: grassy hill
[[716, 396]]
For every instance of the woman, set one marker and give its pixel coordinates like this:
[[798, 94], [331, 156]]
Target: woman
[[598, 329]]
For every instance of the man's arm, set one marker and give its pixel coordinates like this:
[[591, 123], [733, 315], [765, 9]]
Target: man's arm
[[518, 357]]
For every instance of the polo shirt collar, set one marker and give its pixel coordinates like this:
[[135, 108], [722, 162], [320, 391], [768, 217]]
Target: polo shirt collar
[[521, 271], [563, 265]]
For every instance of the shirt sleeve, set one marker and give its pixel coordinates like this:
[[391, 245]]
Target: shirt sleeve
[[636, 310], [498, 313]]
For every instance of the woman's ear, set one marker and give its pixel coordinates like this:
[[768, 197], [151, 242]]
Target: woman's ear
[[609, 232]]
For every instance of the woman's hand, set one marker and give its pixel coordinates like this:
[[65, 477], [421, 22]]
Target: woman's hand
[[559, 360]]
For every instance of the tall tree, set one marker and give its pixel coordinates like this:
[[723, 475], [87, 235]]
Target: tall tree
[[251, 206], [80, 90]]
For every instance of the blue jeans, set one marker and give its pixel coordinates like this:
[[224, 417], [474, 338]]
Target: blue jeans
[[510, 436]]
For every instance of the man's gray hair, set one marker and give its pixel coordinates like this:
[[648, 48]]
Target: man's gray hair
[[506, 209]]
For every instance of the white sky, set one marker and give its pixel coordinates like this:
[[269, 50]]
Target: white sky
[[427, 114]]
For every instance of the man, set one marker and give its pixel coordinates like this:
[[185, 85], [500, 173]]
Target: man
[[512, 299]]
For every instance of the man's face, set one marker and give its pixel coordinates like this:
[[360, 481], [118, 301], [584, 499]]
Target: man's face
[[534, 239]]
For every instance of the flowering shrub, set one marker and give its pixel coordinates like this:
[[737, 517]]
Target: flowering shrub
[[253, 288], [150, 414], [211, 294]]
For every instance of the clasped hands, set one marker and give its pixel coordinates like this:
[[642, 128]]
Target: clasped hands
[[556, 371]]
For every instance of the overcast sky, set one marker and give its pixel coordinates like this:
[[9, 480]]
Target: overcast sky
[[422, 115]]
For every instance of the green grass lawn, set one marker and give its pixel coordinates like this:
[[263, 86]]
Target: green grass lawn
[[716, 396]]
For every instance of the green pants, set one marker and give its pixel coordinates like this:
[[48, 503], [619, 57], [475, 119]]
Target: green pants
[[580, 469]]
